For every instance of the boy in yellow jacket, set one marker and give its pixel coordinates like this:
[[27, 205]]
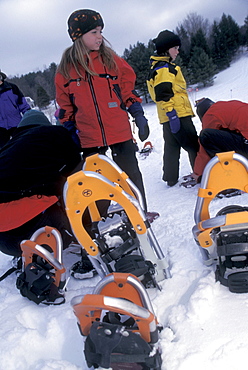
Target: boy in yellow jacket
[[167, 88]]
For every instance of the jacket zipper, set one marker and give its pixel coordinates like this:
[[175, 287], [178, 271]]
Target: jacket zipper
[[89, 78]]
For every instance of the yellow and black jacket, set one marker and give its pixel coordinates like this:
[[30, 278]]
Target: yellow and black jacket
[[167, 88]]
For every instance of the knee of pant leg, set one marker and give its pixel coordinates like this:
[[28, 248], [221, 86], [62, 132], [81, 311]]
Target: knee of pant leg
[[204, 135]]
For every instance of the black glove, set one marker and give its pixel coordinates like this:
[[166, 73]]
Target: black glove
[[141, 122], [70, 126], [174, 121]]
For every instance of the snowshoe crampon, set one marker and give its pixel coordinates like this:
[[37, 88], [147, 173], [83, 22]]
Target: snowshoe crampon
[[122, 240], [223, 239], [42, 279], [119, 324]]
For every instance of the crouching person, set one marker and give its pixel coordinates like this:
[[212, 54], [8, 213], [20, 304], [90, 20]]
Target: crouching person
[[34, 166]]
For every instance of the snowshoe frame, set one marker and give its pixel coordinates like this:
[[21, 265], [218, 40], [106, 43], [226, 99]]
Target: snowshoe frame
[[223, 238], [108, 340], [84, 188], [41, 262]]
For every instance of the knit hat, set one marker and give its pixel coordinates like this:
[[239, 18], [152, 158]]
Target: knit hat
[[34, 117], [166, 40], [202, 106], [82, 21], [2, 76]]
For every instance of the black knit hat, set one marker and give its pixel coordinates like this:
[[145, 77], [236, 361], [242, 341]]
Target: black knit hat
[[2, 76], [34, 118], [166, 40], [202, 106], [82, 21]]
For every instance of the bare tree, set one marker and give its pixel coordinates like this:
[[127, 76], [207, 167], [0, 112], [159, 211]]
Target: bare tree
[[193, 22]]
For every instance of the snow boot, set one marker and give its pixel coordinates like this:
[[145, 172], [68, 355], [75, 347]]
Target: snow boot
[[223, 238], [119, 324], [42, 279], [123, 237], [152, 216]]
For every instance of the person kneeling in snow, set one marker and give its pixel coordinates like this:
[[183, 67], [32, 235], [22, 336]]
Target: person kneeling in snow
[[224, 128], [34, 165]]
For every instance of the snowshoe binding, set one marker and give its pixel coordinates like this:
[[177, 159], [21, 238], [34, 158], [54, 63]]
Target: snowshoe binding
[[146, 150], [83, 269], [122, 240], [119, 324], [42, 279], [223, 239]]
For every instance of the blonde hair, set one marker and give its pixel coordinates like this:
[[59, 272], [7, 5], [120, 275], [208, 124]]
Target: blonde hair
[[78, 57]]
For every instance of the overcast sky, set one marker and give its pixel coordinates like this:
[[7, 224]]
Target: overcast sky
[[34, 32]]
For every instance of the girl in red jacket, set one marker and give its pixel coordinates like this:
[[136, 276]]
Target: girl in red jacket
[[95, 90]]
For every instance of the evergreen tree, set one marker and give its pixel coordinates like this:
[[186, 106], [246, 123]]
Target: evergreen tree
[[217, 50], [226, 41], [185, 44], [138, 57], [199, 40], [244, 33], [179, 62], [201, 67], [49, 75], [42, 99]]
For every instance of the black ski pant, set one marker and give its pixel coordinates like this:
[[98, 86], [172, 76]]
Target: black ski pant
[[218, 141], [124, 155], [185, 138]]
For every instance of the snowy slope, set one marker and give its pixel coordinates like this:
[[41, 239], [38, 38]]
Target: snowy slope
[[205, 326]]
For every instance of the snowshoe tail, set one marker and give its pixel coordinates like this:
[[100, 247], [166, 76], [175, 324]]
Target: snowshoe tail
[[42, 279], [119, 324], [223, 238]]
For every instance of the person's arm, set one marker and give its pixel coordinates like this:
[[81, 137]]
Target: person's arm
[[163, 89], [127, 83], [131, 99], [23, 106], [63, 99], [66, 112]]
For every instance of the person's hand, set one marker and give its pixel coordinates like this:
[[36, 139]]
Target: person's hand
[[174, 121], [141, 122], [70, 126]]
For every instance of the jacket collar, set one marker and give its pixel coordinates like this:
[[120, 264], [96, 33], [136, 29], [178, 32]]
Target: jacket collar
[[159, 58], [5, 86]]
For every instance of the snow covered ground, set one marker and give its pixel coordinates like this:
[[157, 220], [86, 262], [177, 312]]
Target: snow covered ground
[[204, 325]]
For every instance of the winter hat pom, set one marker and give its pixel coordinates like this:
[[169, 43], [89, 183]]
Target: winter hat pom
[[202, 106], [166, 40], [82, 21], [34, 117]]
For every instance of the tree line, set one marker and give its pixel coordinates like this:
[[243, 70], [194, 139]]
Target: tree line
[[206, 50]]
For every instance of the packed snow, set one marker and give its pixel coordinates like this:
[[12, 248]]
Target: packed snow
[[204, 324]]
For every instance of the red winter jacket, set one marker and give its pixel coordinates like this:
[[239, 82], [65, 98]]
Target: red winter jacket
[[232, 115], [97, 104], [16, 213]]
